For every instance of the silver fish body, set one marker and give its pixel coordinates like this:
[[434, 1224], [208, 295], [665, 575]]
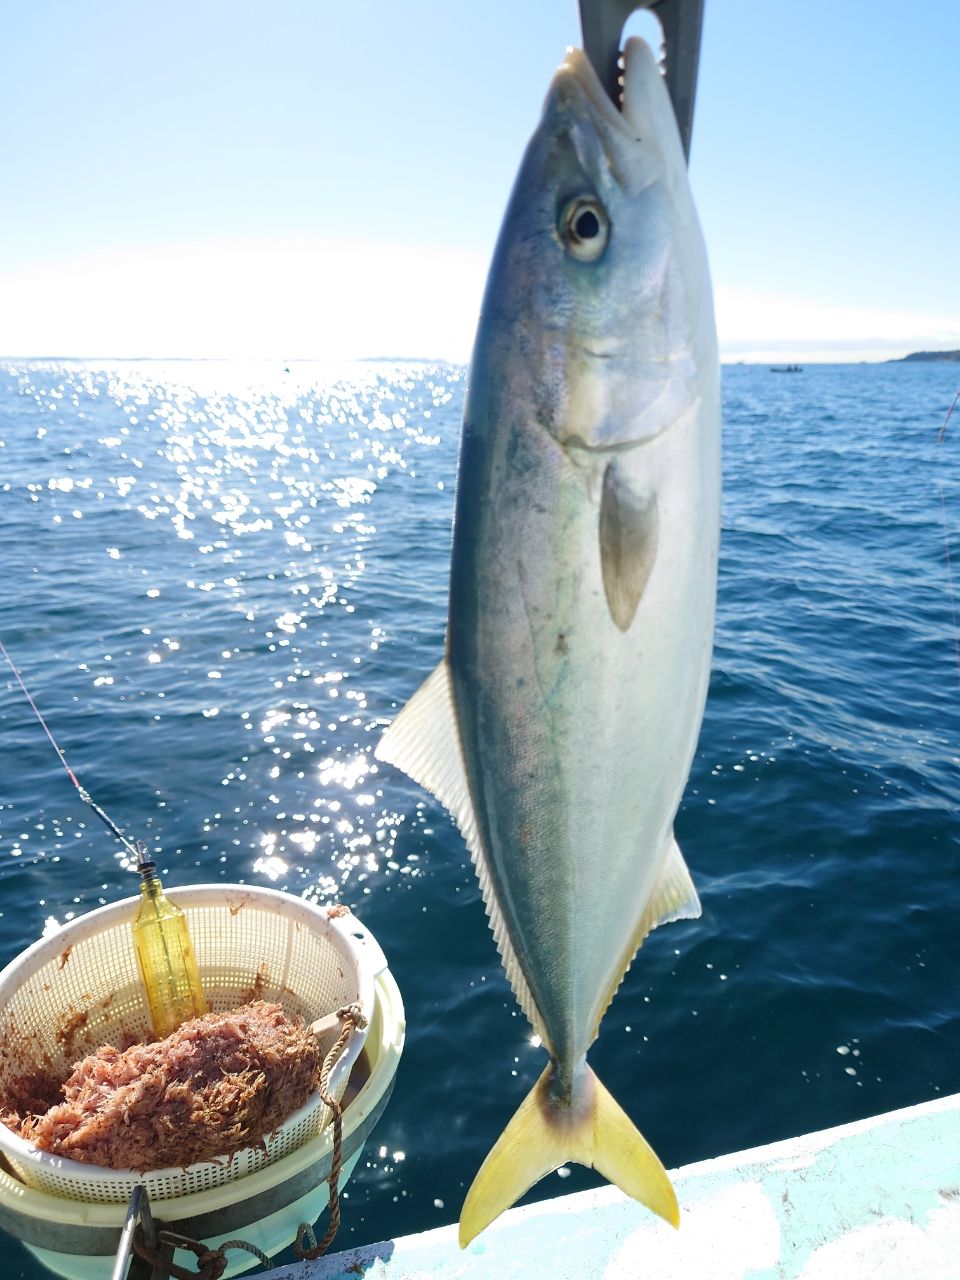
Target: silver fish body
[[560, 727]]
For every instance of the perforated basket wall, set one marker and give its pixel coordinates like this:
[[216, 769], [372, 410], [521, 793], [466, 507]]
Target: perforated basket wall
[[79, 989]]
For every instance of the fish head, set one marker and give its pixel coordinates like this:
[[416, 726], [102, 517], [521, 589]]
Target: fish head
[[600, 283]]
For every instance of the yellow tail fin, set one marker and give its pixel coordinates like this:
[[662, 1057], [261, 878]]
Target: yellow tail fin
[[590, 1129]]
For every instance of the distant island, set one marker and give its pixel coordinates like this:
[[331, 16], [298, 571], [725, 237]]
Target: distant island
[[945, 357]]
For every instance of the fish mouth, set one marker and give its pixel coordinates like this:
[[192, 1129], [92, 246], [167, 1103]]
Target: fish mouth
[[638, 60]]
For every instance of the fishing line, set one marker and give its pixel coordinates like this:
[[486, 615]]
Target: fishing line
[[946, 540], [943, 429], [134, 849]]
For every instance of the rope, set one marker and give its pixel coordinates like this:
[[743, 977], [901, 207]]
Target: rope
[[211, 1263], [305, 1246], [262, 1257]]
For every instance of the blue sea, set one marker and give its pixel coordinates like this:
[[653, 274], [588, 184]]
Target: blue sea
[[220, 582]]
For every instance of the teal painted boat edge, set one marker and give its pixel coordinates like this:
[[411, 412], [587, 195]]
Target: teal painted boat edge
[[878, 1197]]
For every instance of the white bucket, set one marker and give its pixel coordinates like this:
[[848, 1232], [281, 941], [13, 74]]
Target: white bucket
[[78, 1240], [78, 989]]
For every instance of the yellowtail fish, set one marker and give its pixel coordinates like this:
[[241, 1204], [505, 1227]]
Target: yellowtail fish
[[560, 726]]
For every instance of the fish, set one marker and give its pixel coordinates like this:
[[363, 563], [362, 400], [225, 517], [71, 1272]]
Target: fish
[[560, 726]]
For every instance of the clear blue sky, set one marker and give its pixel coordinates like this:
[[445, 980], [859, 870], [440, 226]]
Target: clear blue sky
[[316, 178]]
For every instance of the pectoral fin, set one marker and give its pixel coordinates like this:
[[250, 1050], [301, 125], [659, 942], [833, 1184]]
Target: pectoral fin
[[629, 526]]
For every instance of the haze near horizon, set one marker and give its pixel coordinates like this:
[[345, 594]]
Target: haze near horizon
[[300, 181]]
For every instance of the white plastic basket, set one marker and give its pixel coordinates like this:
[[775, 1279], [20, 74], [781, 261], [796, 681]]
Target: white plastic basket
[[78, 989]]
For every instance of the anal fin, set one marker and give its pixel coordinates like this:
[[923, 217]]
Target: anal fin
[[674, 897]]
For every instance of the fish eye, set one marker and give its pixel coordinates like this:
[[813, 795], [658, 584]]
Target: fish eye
[[584, 228]]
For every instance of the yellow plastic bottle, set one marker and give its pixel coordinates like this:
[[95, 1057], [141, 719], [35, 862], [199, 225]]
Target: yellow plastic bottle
[[165, 955]]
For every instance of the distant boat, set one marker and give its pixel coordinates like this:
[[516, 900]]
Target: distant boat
[[785, 368]]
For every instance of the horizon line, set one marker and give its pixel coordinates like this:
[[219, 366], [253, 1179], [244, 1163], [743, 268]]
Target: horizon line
[[779, 359]]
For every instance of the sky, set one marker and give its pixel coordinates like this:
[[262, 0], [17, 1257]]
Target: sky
[[296, 179]]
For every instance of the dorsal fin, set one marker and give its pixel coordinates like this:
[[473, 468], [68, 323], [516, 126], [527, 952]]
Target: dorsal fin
[[424, 741]]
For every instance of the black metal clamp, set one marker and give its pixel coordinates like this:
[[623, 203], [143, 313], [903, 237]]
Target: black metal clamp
[[602, 23]]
